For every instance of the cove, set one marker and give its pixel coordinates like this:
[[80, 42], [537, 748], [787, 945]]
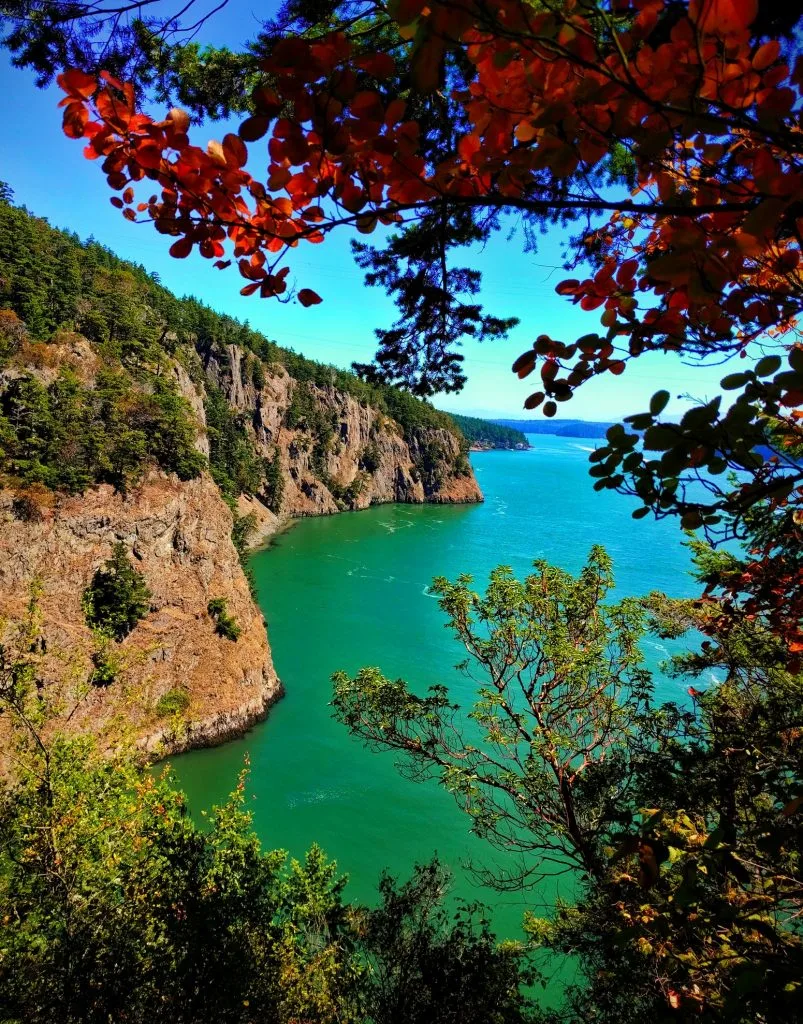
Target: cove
[[350, 590]]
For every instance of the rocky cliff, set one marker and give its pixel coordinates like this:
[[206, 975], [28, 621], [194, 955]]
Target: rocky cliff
[[337, 452], [177, 682], [128, 415], [179, 536]]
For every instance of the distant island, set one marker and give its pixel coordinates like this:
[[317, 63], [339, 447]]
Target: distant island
[[483, 435], [562, 428]]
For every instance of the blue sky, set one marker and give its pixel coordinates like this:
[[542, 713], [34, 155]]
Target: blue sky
[[51, 177]]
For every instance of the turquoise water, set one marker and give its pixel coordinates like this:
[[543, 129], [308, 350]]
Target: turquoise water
[[351, 590]]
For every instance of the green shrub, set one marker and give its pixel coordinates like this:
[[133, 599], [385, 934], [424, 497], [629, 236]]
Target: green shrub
[[107, 664], [225, 625], [117, 598], [370, 457], [241, 531], [346, 495], [258, 374], [273, 487], [174, 702]]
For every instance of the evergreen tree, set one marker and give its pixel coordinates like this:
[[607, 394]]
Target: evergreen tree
[[117, 598]]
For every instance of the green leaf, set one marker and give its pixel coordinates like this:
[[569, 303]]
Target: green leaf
[[768, 365], [659, 402], [659, 438], [734, 381]]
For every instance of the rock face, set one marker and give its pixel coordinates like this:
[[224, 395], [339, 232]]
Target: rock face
[[179, 535], [365, 460], [179, 684]]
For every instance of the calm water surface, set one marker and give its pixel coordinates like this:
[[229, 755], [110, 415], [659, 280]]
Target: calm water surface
[[351, 590]]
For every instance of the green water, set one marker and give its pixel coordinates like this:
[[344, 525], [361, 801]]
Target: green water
[[351, 590]]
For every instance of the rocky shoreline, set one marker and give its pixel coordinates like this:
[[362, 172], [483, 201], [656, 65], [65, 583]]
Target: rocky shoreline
[[179, 536]]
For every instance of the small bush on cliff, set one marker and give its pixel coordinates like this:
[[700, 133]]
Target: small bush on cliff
[[117, 598], [346, 494], [273, 488], [107, 660], [241, 532], [258, 374], [12, 334], [225, 624], [174, 702], [370, 457]]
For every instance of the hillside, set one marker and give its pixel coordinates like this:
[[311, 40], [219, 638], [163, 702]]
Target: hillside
[[561, 428], [129, 416], [485, 434]]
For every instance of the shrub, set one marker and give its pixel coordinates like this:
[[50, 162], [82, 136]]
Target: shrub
[[370, 457], [106, 663], [30, 502], [225, 625], [12, 334], [258, 374], [273, 487], [174, 702], [241, 531], [236, 467], [117, 598]]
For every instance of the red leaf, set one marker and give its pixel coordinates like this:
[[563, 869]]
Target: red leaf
[[380, 65], [215, 150], [253, 128], [367, 105], [78, 83], [766, 55], [723, 17], [181, 249], [307, 297], [74, 120], [180, 119], [234, 150], [395, 112], [266, 101], [525, 364]]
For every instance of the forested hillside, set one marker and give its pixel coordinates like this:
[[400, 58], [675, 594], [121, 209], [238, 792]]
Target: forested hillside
[[561, 428], [53, 285], [485, 434]]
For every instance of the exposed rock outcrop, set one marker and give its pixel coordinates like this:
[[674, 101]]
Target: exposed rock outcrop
[[363, 458], [179, 534], [179, 683]]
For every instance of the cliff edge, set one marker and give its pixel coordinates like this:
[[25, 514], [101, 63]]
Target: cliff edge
[[178, 684], [132, 418]]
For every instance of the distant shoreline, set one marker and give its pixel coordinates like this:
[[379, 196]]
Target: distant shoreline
[[500, 448]]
